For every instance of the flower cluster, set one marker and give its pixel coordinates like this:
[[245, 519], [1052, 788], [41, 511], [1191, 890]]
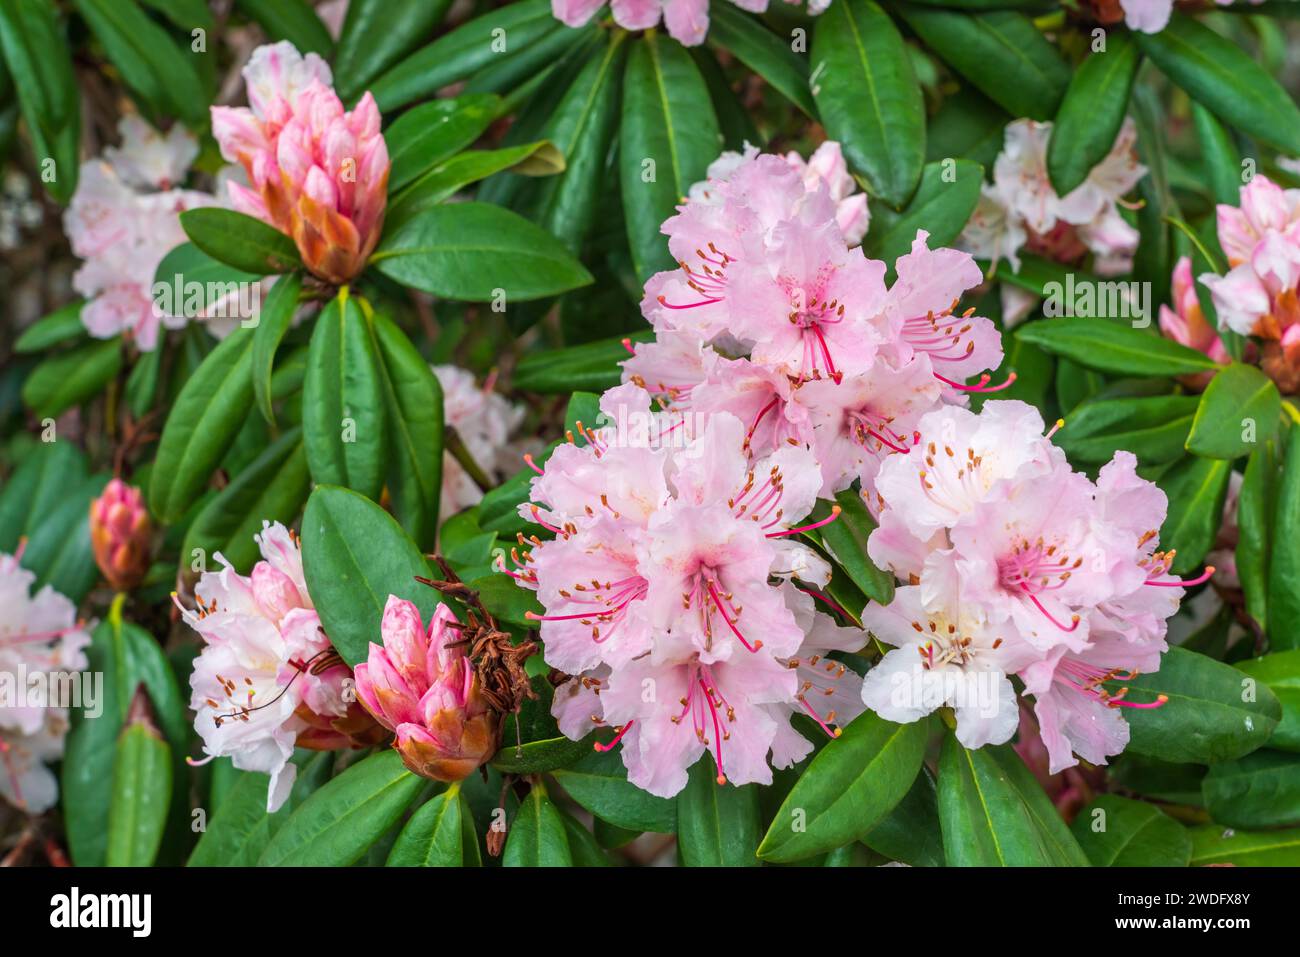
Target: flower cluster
[[1020, 209], [268, 678], [1017, 565], [687, 21], [317, 172], [123, 219], [1258, 296], [39, 635]]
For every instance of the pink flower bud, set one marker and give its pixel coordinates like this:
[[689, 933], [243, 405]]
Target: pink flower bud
[[421, 686], [119, 533], [318, 173]]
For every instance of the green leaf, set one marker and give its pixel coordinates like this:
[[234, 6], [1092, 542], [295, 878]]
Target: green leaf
[[994, 814], [868, 97], [543, 747], [241, 241], [272, 488], [1220, 156], [292, 20], [190, 283], [1239, 401], [354, 556], [59, 549], [62, 325], [846, 540], [583, 844], [910, 832], [1215, 844], [415, 425], [592, 366], [717, 824], [446, 178], [941, 205], [462, 51], [204, 419], [849, 787], [344, 420], [1030, 78], [1216, 72], [142, 784], [436, 835], [968, 125], [668, 120], [1119, 832], [537, 837], [1255, 530], [599, 783], [1284, 565], [142, 382], [1257, 791], [1196, 488], [1154, 427], [1113, 348], [1280, 671], [272, 323], [764, 52], [67, 379], [1205, 719], [378, 33], [432, 132], [339, 822], [44, 479], [1092, 112], [241, 827], [477, 252]]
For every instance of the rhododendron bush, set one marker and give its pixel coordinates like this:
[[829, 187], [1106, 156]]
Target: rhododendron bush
[[563, 433]]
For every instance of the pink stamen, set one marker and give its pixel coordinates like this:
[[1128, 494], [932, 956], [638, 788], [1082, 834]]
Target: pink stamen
[[717, 732], [835, 513], [717, 600], [528, 459], [1047, 614], [614, 743], [1186, 583], [831, 732], [981, 386]]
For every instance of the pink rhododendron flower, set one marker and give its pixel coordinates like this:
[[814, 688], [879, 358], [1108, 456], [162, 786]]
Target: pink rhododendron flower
[[1018, 562], [268, 678], [123, 219], [1021, 208], [687, 21], [119, 534], [1185, 323], [1258, 296], [317, 173], [39, 634], [420, 685], [485, 422]]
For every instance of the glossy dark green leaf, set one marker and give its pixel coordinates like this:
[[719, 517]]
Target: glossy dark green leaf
[[599, 783], [1114, 348], [1119, 832], [211, 408], [910, 832], [583, 844], [59, 549], [1092, 112], [1260, 790], [1213, 713], [272, 323], [457, 54], [1031, 77], [995, 814], [852, 783], [766, 53], [593, 366], [378, 33], [271, 489], [1224, 78], [339, 822], [43, 480], [67, 379], [190, 283], [446, 178], [1220, 156], [1280, 671], [344, 411], [1196, 489], [142, 785], [354, 556], [1255, 505], [62, 325], [477, 252], [868, 97], [1238, 410], [717, 824], [1215, 844], [432, 132], [537, 835], [292, 20], [435, 836], [669, 137], [941, 205], [241, 241], [1153, 427], [1284, 555], [846, 540]]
